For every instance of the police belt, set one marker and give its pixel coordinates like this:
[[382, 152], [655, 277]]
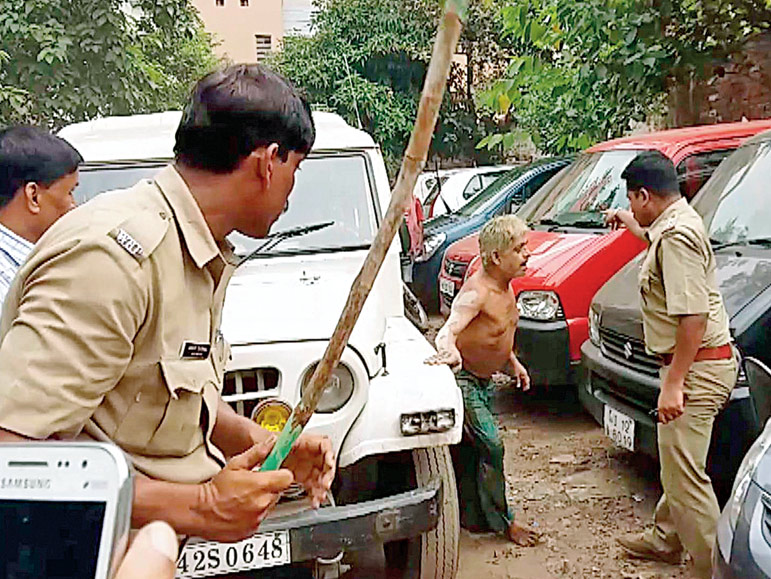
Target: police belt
[[724, 352]]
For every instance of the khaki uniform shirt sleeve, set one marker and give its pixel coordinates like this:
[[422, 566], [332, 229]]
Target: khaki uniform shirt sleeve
[[684, 270], [72, 339]]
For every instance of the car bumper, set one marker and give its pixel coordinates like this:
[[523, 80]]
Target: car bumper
[[605, 382], [745, 553], [599, 377], [326, 532], [544, 349]]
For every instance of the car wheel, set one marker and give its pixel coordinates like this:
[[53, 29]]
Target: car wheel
[[433, 555]]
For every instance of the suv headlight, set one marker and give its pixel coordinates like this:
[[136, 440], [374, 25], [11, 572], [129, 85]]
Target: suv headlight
[[745, 472], [539, 305], [594, 326], [430, 245], [338, 391]]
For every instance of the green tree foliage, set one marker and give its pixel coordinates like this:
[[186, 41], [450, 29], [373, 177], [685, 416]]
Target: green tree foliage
[[367, 60], [72, 60], [584, 71]]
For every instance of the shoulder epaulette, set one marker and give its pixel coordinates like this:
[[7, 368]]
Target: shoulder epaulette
[[142, 233]]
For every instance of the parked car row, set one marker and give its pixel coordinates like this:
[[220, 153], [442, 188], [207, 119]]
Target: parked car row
[[572, 253], [504, 195], [581, 325]]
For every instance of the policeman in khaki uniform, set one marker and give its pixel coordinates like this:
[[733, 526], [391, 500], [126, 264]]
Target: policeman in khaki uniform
[[111, 328], [686, 324]]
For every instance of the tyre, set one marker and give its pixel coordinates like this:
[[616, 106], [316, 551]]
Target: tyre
[[433, 555]]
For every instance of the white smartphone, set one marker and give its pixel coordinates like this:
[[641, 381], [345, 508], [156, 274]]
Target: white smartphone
[[65, 509]]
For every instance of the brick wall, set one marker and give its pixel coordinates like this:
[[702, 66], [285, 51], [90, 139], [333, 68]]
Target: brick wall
[[738, 88]]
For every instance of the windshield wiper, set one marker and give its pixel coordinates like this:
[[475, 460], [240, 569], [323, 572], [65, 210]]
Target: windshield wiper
[[547, 221], [274, 239], [580, 223], [585, 223], [760, 241]]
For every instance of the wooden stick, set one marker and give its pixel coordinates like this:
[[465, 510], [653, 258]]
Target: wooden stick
[[412, 164]]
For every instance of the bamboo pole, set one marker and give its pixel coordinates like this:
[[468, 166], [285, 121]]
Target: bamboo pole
[[412, 164]]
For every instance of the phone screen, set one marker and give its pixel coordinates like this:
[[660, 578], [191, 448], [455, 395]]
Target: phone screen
[[52, 539]]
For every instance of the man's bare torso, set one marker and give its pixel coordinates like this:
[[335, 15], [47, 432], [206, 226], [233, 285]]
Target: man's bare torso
[[486, 343]]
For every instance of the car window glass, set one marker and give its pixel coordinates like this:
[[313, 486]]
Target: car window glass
[[491, 194], [95, 179], [489, 178], [436, 188], [531, 187], [695, 170], [327, 188], [534, 185], [734, 201], [578, 195], [473, 187]]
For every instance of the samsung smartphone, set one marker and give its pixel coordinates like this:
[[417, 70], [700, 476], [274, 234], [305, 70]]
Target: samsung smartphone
[[65, 509]]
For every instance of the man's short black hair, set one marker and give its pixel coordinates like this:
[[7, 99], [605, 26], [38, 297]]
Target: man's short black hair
[[238, 109], [33, 155], [654, 171]]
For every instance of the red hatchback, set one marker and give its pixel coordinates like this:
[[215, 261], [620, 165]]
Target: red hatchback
[[572, 253]]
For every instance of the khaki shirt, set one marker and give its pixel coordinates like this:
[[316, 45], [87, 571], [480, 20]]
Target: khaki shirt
[[111, 330], [677, 278]]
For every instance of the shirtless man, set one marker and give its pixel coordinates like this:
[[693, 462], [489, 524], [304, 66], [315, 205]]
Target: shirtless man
[[477, 341]]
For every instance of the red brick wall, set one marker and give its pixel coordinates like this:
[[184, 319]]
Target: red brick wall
[[739, 88]]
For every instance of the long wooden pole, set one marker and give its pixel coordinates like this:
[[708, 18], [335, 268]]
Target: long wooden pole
[[412, 164]]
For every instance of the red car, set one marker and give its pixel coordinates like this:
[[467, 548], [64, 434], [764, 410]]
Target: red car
[[572, 253]]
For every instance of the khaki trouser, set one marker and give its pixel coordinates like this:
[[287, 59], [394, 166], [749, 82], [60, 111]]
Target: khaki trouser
[[687, 513]]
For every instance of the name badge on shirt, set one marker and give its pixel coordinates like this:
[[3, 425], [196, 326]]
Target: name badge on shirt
[[194, 350]]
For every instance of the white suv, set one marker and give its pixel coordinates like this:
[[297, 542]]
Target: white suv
[[391, 418]]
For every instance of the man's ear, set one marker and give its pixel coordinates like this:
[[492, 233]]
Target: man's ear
[[645, 195], [31, 192], [264, 159], [495, 257]]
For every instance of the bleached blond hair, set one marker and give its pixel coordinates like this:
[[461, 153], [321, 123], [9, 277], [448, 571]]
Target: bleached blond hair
[[500, 234]]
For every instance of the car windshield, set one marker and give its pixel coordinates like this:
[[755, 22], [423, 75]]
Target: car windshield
[[489, 195], [733, 202], [95, 179], [327, 188], [578, 195]]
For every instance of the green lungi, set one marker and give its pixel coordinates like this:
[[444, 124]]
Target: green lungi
[[478, 460]]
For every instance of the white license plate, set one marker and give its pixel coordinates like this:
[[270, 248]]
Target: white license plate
[[619, 428], [447, 287], [207, 558]]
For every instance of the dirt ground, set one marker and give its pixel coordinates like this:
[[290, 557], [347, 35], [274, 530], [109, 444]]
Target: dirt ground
[[565, 477]]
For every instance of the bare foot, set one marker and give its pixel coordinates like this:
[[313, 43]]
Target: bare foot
[[523, 535]]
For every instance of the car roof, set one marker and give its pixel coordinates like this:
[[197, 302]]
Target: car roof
[[468, 171], [671, 141], [151, 136], [759, 138]]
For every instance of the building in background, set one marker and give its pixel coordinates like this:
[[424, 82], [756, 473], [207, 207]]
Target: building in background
[[247, 30], [297, 17]]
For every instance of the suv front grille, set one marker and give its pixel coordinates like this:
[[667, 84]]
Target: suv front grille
[[628, 352], [243, 389], [456, 269]]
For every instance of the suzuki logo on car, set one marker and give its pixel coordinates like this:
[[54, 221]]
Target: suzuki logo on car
[[628, 350]]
